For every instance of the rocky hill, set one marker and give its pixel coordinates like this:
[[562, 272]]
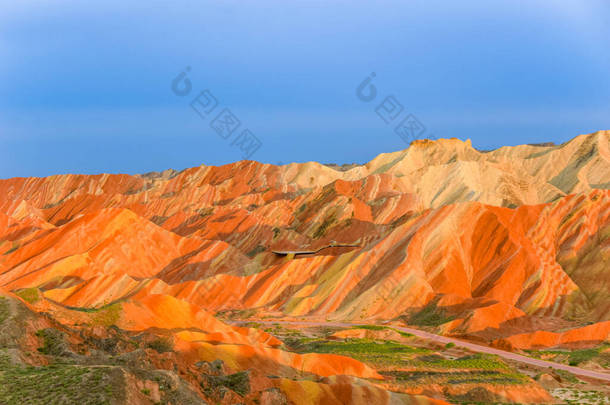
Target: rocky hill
[[507, 247]]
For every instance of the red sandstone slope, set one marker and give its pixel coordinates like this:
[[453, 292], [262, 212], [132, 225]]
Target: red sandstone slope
[[497, 244]]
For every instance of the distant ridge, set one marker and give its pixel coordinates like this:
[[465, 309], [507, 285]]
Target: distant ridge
[[502, 245]]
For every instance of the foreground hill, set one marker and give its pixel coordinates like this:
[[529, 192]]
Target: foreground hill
[[506, 247]]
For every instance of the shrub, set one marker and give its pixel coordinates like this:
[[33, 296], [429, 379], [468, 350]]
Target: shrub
[[580, 356], [238, 382], [53, 342], [161, 345]]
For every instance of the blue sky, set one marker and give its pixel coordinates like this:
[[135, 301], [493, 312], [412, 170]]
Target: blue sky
[[85, 87]]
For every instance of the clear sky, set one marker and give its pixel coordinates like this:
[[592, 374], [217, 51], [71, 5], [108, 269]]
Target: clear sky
[[86, 87]]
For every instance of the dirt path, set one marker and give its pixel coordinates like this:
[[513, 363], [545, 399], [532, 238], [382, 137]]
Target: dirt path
[[471, 346]]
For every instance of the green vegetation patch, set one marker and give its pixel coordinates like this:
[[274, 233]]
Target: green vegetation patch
[[366, 350], [580, 356], [325, 225], [456, 378], [361, 346], [53, 342], [108, 315], [161, 345], [382, 327], [430, 315], [479, 361], [573, 357], [238, 382], [4, 310], [55, 384], [370, 327], [30, 295]]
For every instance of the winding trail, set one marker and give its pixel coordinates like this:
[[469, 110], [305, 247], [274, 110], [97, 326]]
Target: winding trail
[[471, 346]]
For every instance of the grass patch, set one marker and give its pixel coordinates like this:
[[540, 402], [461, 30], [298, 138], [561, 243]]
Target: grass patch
[[404, 334], [366, 350], [479, 361], [580, 356], [360, 346], [4, 310], [29, 295], [566, 376], [370, 327], [575, 357], [430, 315], [107, 316], [571, 357], [55, 384]]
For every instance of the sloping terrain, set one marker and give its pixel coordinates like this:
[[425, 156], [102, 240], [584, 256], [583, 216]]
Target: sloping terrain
[[507, 247]]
